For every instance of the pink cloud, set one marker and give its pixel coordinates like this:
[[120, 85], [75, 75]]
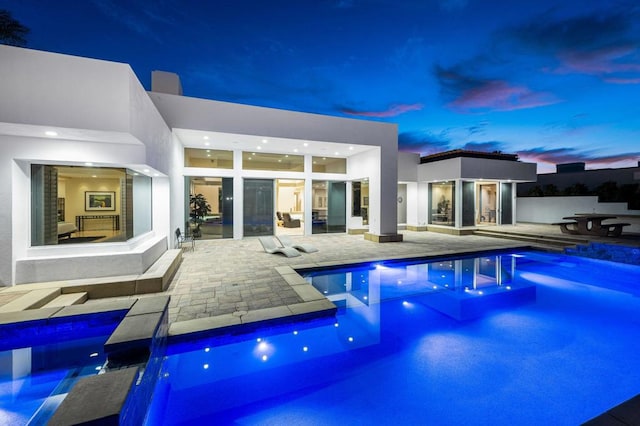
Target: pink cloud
[[392, 111], [613, 64], [499, 95]]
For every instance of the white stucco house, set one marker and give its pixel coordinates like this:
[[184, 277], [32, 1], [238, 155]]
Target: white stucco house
[[88, 155]]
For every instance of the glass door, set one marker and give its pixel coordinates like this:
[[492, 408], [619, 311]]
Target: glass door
[[258, 212], [486, 203], [329, 208], [210, 207]]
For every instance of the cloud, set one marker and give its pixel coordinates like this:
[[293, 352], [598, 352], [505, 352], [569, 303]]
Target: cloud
[[423, 142], [392, 111], [487, 146], [137, 22], [604, 43], [471, 94], [571, 155]]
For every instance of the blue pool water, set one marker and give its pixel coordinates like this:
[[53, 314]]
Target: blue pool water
[[521, 338]]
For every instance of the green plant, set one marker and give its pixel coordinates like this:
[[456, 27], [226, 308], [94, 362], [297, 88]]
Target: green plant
[[199, 207]]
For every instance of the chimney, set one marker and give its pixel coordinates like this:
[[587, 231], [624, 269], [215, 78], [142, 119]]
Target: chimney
[[166, 82]]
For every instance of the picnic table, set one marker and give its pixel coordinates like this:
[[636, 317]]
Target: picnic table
[[591, 224]]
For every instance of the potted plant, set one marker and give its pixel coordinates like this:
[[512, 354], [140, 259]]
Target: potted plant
[[199, 209]]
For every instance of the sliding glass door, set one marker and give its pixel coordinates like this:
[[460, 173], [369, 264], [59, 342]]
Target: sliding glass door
[[329, 209], [210, 207], [258, 211]]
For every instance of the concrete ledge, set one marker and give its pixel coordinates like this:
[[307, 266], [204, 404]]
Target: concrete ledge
[[450, 230], [159, 275], [357, 231], [32, 300], [627, 413], [383, 238], [97, 400], [416, 228]]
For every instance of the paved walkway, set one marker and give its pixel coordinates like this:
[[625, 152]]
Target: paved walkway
[[226, 276]]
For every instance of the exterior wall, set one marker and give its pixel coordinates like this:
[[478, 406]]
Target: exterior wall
[[476, 168], [103, 116], [199, 114], [553, 209], [590, 178]]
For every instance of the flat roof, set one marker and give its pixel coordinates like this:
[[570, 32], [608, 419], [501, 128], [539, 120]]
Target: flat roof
[[496, 155]]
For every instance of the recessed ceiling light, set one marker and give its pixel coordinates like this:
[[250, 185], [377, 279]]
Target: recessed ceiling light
[[287, 156], [208, 155], [206, 144], [306, 144], [206, 138], [51, 133], [324, 158], [88, 164], [295, 150], [351, 148], [279, 161], [264, 141], [94, 176], [146, 170], [156, 174], [259, 147]]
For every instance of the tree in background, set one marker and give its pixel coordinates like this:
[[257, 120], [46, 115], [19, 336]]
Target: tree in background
[[12, 32]]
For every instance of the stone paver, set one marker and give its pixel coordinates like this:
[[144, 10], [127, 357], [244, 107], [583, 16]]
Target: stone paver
[[230, 282]]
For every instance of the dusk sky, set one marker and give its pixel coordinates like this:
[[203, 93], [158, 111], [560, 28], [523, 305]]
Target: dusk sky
[[553, 81]]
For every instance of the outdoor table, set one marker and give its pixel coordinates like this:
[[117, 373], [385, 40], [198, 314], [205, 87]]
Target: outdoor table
[[590, 224]]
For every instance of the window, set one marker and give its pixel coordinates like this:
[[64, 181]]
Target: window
[[441, 200], [88, 204], [208, 158], [279, 162], [329, 165]]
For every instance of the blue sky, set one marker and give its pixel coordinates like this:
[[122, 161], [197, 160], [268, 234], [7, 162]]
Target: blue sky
[[552, 81]]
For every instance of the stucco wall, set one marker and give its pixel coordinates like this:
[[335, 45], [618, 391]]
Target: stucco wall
[[200, 114], [553, 209]]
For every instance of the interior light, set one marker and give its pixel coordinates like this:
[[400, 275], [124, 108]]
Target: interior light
[[286, 156], [51, 133], [94, 176], [279, 161], [208, 150]]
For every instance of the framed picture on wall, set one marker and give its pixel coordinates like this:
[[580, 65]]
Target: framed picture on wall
[[94, 200]]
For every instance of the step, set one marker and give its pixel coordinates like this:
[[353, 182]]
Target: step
[[32, 300], [548, 241], [68, 300], [575, 240]]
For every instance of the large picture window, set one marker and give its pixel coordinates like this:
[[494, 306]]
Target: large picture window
[[74, 205]]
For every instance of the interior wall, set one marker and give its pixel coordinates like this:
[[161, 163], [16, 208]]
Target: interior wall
[[74, 195]]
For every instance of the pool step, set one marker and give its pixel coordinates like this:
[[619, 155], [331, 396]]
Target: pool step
[[68, 300], [34, 299], [550, 242]]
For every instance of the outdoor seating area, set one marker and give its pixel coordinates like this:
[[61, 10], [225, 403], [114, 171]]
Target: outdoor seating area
[[591, 224]]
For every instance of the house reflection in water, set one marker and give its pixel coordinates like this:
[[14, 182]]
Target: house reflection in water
[[461, 288]]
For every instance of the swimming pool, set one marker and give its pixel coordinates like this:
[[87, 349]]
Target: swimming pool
[[503, 338]]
